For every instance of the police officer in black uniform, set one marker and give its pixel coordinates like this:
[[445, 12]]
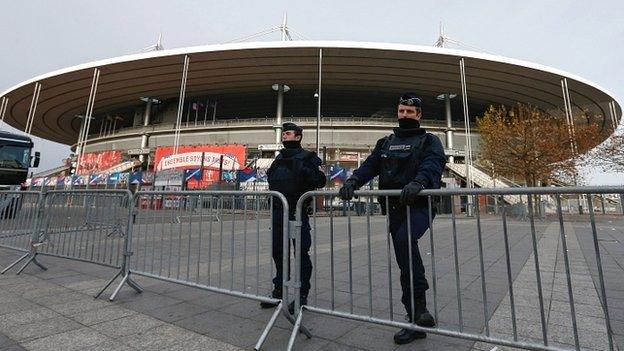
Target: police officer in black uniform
[[293, 172], [409, 159]]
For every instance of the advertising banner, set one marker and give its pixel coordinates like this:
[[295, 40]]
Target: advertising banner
[[190, 159], [98, 161]]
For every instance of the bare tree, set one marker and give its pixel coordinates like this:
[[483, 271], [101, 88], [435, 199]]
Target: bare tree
[[609, 156]]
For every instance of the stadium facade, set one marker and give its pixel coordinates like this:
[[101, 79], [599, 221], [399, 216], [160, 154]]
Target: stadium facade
[[216, 100]]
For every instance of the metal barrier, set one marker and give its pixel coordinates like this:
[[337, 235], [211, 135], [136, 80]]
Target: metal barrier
[[218, 241], [468, 257], [19, 213], [83, 225]]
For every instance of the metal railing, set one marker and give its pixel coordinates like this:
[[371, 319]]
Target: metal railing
[[19, 213], [352, 259], [219, 241], [479, 268]]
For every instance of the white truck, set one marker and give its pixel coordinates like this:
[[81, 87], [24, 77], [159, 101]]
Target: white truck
[[15, 160]]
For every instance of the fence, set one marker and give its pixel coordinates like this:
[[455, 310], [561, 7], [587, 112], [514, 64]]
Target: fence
[[19, 212], [218, 241], [494, 278]]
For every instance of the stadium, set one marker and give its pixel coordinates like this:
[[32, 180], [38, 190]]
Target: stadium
[[213, 110]]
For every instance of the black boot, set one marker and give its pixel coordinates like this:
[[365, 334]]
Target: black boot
[[405, 336], [423, 317], [276, 294], [303, 301]]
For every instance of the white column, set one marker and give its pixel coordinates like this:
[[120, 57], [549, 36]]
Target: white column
[[278, 114], [146, 120], [449, 125]]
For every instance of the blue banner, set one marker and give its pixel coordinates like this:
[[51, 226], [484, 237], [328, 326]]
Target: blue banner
[[113, 178], [247, 175], [337, 173], [136, 177], [195, 174]]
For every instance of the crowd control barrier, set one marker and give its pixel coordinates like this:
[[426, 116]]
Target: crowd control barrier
[[82, 225], [219, 241], [481, 263], [502, 265], [19, 213]]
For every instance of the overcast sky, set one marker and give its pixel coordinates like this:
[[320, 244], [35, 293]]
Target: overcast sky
[[583, 38]]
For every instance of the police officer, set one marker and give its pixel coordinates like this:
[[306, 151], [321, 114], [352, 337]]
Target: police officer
[[409, 159], [293, 172]]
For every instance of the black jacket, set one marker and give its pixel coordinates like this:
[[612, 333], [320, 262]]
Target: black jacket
[[429, 167]]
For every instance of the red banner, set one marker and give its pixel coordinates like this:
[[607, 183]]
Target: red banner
[[98, 161], [190, 157]]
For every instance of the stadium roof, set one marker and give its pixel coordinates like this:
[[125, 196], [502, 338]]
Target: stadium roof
[[253, 67]]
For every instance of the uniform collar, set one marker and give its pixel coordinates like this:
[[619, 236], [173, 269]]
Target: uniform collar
[[403, 133], [290, 152]]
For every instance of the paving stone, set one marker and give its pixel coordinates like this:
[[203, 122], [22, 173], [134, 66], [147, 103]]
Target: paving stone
[[5, 341], [71, 340], [176, 312], [147, 301], [15, 305], [24, 332], [100, 315], [127, 325], [369, 337], [66, 296], [160, 337], [27, 316], [201, 343], [75, 307], [108, 346]]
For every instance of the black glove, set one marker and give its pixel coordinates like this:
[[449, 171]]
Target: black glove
[[348, 189], [410, 192]]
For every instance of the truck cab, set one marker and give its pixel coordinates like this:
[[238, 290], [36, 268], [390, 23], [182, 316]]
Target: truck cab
[[15, 160]]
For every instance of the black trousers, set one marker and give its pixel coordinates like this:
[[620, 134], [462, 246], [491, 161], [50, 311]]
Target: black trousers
[[398, 229], [278, 250]]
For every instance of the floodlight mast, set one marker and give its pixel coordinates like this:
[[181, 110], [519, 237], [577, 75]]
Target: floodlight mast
[[286, 33], [156, 47], [443, 39]]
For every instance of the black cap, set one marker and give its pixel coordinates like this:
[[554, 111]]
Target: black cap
[[291, 126], [410, 99]]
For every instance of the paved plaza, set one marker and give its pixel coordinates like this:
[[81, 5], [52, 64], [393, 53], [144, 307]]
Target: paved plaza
[[54, 309]]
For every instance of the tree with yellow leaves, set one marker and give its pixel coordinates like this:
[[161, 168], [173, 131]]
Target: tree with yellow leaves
[[526, 142]]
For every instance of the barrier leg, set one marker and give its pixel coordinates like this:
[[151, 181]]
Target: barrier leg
[[130, 282], [118, 288], [107, 285], [295, 331], [134, 285], [34, 260], [268, 328], [15, 263]]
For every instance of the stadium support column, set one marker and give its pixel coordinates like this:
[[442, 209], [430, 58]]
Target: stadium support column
[[567, 105], [3, 107], [33, 108], [449, 122], [318, 106], [278, 114], [86, 124], [281, 89], [146, 120], [468, 152], [176, 138], [449, 125]]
